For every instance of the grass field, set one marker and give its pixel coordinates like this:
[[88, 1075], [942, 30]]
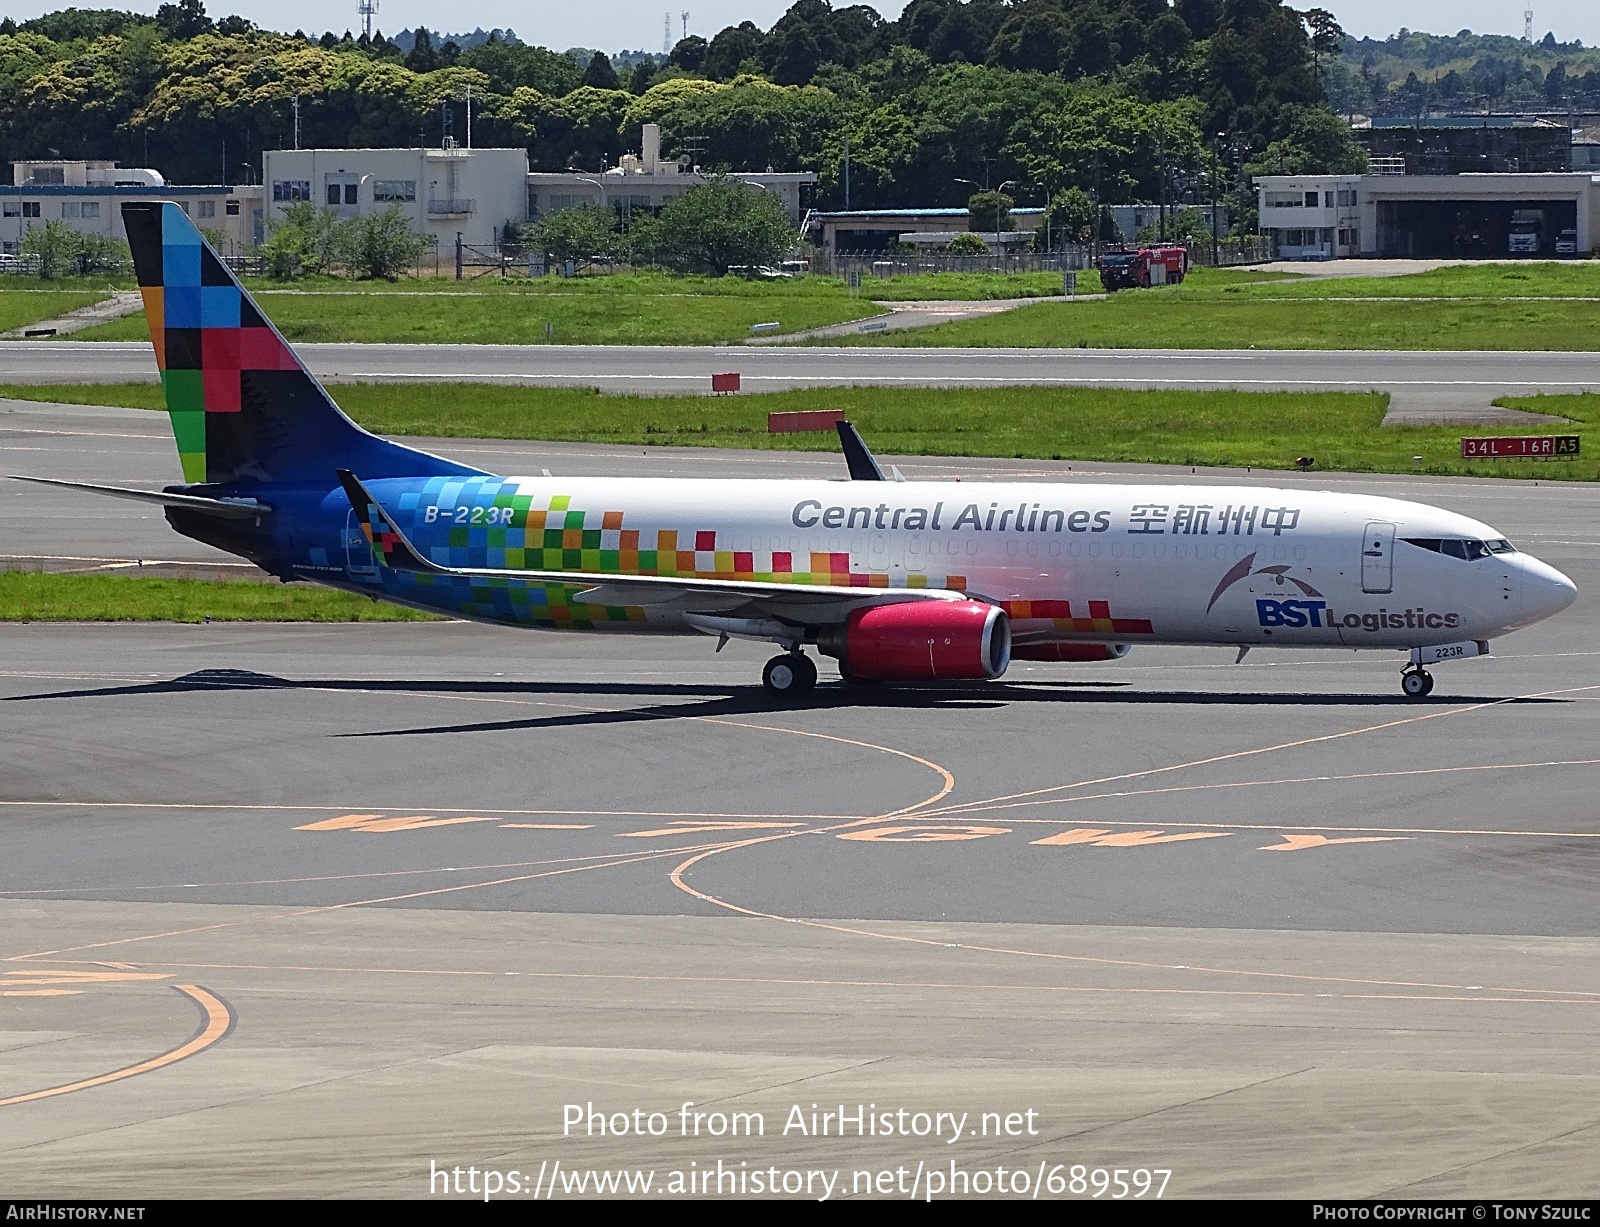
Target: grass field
[[19, 308], [624, 309], [1273, 316], [32, 596], [1268, 430], [522, 319], [1494, 281]]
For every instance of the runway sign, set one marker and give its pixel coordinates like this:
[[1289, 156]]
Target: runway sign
[[1514, 447]]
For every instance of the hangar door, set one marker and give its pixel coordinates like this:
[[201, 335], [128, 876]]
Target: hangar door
[[1444, 229]]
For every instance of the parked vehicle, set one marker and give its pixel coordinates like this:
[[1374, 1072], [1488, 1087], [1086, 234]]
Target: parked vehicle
[[1527, 231], [1567, 243], [1125, 269]]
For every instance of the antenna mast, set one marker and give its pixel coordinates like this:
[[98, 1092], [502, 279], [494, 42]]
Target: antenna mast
[[666, 34], [686, 23], [1527, 24], [368, 9]]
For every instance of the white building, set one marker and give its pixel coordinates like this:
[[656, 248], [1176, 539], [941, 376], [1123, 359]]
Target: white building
[[443, 192], [1311, 217], [86, 195], [644, 182]]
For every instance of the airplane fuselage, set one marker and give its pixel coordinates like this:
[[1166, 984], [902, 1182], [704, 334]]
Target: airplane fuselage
[[1243, 565]]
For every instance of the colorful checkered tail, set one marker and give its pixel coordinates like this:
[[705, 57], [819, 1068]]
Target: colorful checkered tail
[[244, 410]]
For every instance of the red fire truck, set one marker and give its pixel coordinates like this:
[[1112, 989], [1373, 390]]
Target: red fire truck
[[1126, 268]]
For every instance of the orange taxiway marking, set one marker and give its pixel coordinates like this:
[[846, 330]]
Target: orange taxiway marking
[[217, 1021], [1299, 843], [1124, 839]]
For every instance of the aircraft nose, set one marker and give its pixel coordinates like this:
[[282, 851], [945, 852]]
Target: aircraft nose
[[1545, 591]]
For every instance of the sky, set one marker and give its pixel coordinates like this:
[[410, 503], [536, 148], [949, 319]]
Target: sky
[[616, 25]]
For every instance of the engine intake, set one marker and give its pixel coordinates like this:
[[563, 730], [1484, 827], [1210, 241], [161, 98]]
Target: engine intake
[[1076, 652], [923, 641]]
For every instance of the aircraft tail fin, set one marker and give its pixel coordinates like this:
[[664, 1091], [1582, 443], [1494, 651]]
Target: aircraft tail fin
[[244, 408]]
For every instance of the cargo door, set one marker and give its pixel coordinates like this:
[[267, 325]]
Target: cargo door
[[1377, 558]]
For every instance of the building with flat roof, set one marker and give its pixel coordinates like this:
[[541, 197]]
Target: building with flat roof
[[878, 229], [478, 193], [85, 194], [644, 182], [1430, 216], [1462, 144], [443, 192]]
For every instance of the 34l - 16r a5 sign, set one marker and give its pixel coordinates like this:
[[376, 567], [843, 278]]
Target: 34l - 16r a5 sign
[[1510, 447]]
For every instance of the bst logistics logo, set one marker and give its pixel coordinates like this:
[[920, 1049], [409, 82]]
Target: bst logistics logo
[[1298, 613], [1292, 613]]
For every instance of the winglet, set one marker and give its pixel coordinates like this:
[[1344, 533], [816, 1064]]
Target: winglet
[[863, 465], [390, 547]]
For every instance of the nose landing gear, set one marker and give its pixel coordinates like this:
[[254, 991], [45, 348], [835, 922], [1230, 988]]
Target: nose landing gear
[[1416, 682], [789, 676]]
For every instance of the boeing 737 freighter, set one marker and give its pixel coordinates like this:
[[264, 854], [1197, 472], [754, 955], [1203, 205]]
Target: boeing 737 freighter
[[897, 581]]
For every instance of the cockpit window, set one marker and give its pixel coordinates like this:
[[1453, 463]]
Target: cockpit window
[[1463, 548]]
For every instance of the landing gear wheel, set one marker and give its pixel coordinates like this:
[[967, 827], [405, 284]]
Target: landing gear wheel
[[790, 676], [1416, 683]]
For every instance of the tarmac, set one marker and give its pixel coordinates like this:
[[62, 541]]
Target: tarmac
[[326, 910], [1423, 386]]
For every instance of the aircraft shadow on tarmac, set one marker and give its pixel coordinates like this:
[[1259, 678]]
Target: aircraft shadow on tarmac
[[750, 700]]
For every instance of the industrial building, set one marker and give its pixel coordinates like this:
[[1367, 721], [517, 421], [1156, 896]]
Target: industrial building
[[85, 195], [1484, 216], [478, 193]]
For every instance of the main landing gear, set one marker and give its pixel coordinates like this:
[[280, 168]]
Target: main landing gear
[[1416, 682], [790, 676]]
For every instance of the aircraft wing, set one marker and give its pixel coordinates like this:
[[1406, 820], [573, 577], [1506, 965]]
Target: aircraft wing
[[394, 549]]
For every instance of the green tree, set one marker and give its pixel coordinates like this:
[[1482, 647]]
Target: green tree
[[723, 224], [513, 65], [600, 74], [52, 247], [689, 54], [990, 211], [303, 240], [574, 234], [1309, 140], [967, 244], [1069, 219], [378, 245], [729, 50]]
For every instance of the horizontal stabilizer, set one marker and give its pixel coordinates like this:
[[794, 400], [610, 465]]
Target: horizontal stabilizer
[[226, 508]]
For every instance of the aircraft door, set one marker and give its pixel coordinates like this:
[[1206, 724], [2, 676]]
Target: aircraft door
[[1377, 558], [358, 551]]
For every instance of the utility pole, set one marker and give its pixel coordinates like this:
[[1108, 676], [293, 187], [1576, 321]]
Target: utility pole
[[1216, 169], [297, 121], [469, 114], [847, 172]]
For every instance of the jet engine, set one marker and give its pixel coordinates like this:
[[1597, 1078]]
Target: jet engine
[[1075, 652], [922, 641]]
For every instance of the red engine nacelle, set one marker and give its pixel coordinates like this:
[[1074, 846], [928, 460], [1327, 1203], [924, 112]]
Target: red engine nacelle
[[1076, 652], [924, 641]]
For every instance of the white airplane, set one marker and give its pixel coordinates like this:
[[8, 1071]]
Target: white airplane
[[897, 581]]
